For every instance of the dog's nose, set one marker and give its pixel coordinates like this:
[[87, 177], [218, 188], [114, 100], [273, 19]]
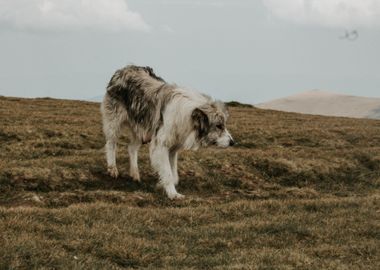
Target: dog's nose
[[232, 142]]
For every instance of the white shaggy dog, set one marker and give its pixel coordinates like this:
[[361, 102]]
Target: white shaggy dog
[[164, 115]]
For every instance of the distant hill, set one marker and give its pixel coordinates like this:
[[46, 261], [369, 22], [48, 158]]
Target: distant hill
[[327, 103], [96, 99], [238, 104]]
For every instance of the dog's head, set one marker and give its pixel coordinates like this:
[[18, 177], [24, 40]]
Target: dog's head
[[210, 124]]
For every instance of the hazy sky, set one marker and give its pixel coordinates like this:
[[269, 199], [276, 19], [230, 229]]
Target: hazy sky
[[246, 50]]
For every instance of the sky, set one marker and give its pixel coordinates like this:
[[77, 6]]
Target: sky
[[246, 50]]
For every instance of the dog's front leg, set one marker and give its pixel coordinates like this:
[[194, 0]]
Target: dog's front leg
[[173, 156], [159, 156]]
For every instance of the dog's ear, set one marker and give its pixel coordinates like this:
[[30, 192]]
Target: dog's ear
[[222, 107], [201, 122]]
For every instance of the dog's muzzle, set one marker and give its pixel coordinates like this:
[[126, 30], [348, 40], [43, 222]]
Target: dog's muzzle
[[232, 142]]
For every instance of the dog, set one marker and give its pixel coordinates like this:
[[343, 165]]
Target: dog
[[164, 115]]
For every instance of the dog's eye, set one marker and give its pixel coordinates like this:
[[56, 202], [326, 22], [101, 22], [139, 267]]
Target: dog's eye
[[219, 126]]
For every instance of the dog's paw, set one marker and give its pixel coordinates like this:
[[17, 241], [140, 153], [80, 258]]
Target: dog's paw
[[113, 172], [135, 176], [170, 191], [176, 196]]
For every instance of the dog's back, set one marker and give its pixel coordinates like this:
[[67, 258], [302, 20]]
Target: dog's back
[[142, 95]]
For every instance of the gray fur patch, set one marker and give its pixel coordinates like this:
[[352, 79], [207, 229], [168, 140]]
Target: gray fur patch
[[143, 94], [201, 122]]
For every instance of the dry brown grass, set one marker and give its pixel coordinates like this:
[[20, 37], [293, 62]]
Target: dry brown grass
[[296, 192]]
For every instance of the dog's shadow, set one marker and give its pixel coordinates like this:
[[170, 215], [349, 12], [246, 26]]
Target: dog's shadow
[[148, 184], [103, 181]]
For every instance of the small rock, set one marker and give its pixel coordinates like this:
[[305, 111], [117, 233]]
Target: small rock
[[36, 198]]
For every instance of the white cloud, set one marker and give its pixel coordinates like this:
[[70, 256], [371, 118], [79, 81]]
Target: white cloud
[[329, 13], [167, 29], [54, 15], [198, 3]]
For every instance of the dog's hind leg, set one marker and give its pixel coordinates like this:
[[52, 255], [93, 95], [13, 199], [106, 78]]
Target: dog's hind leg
[[111, 146], [112, 125], [159, 156], [133, 149]]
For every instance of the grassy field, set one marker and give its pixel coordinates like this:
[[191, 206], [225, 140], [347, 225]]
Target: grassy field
[[297, 192]]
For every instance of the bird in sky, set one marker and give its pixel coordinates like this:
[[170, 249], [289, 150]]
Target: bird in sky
[[350, 35]]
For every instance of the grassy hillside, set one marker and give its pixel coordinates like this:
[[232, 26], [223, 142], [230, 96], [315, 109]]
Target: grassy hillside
[[298, 191]]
